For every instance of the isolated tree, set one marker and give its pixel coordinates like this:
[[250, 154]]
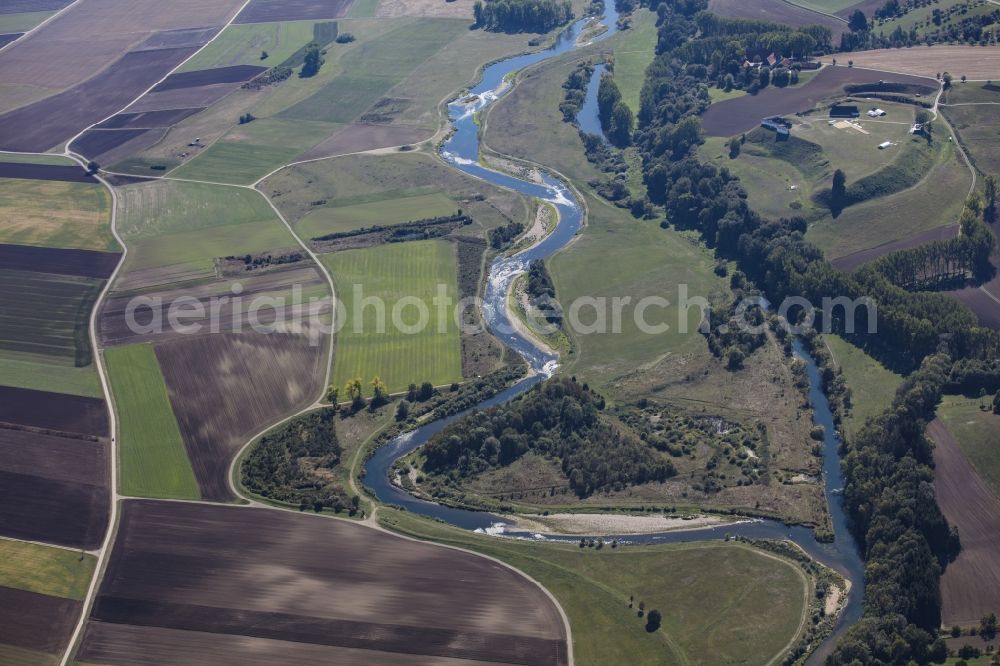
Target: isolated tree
[[946, 77], [964, 78], [264, 55], [332, 394], [991, 189], [734, 148], [653, 620], [426, 392], [402, 410], [311, 62], [838, 193], [380, 395], [857, 22], [988, 627], [411, 393], [354, 393]]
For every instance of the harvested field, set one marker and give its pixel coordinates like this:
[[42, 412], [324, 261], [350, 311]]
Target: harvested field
[[56, 213], [439, 604], [36, 621], [53, 411], [361, 137], [855, 260], [207, 77], [264, 11], [970, 587], [975, 62], [202, 96], [18, 6], [148, 119], [27, 171], [72, 460], [777, 11], [48, 122], [226, 387], [744, 113], [172, 39], [228, 316], [94, 144], [57, 572], [46, 315], [458, 9]]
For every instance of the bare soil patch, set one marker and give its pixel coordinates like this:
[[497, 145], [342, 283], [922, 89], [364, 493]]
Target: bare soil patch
[[263, 11], [58, 458], [744, 113], [26, 171], [975, 62], [46, 123], [94, 143], [201, 96], [61, 512], [205, 77], [148, 119], [36, 621], [85, 263], [19, 6], [970, 587], [172, 39], [599, 524], [361, 137], [316, 582], [53, 411], [777, 11], [984, 305], [226, 387], [855, 260]]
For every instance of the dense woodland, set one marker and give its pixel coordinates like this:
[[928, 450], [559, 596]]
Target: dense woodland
[[293, 464], [542, 292], [560, 419], [616, 118], [936, 341], [522, 15]]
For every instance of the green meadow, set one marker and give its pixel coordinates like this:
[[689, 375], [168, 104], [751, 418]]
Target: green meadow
[[388, 211], [391, 273], [54, 377], [56, 572], [872, 385], [712, 595], [634, 50], [245, 43], [152, 458]]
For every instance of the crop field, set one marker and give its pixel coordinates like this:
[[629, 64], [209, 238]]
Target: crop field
[[17, 22], [970, 587], [40, 376], [872, 386], [57, 412], [245, 44], [392, 273], [977, 432], [249, 152], [314, 189], [744, 113], [711, 594], [979, 63], [226, 387], [153, 460], [433, 604], [55, 214], [634, 51], [777, 11], [53, 489], [331, 219], [172, 223], [45, 316], [370, 70], [53, 571]]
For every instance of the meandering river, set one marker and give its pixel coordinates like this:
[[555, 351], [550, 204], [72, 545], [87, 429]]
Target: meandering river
[[462, 152]]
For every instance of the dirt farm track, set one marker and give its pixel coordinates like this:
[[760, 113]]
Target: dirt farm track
[[970, 587], [240, 585]]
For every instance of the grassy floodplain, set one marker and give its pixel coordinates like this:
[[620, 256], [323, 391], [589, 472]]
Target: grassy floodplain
[[978, 435], [153, 459], [634, 51], [393, 272], [872, 385], [57, 572], [712, 595]]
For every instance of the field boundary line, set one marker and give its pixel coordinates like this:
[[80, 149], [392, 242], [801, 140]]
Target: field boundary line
[[28, 33], [48, 545], [816, 11]]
